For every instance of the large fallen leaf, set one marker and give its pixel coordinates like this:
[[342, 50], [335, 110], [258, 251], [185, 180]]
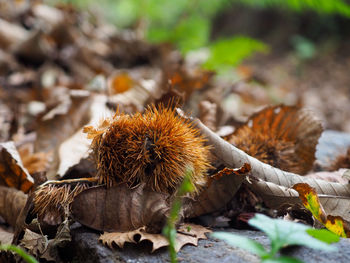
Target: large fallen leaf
[[310, 200], [231, 156], [279, 197], [120, 208], [12, 172], [60, 123], [282, 136], [338, 176], [219, 192], [187, 234], [11, 203]]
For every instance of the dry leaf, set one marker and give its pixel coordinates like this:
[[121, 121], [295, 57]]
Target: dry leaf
[[11, 203], [335, 176], [36, 244], [76, 147], [187, 234], [120, 82], [12, 172], [188, 81], [208, 113], [282, 136], [222, 187], [34, 162], [5, 237], [62, 121], [279, 197], [310, 200], [120, 208], [231, 156]]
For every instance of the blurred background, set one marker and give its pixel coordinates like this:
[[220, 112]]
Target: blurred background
[[262, 52]]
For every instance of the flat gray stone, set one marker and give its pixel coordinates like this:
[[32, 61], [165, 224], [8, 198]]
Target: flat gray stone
[[88, 249]]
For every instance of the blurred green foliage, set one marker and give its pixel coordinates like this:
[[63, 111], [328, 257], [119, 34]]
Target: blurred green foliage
[[188, 23], [339, 7], [231, 52]]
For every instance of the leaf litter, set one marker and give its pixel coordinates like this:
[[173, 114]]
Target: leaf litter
[[54, 84]]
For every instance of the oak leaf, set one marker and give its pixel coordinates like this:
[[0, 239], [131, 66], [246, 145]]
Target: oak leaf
[[186, 234]]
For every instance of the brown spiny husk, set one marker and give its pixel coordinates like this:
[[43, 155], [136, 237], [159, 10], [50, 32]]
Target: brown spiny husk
[[282, 136], [155, 148], [52, 197]]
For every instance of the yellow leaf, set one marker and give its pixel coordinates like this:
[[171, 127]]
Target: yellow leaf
[[308, 196]]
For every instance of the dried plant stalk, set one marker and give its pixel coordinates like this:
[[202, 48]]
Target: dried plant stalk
[[11, 203], [231, 156]]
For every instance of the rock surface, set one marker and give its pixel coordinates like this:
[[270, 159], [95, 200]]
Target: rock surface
[[88, 249]]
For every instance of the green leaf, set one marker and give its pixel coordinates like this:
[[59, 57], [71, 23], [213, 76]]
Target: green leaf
[[323, 235], [241, 242], [188, 34], [283, 233], [231, 52], [282, 260]]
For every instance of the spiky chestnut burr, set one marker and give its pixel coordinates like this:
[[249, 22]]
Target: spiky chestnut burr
[[155, 148], [282, 136]]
